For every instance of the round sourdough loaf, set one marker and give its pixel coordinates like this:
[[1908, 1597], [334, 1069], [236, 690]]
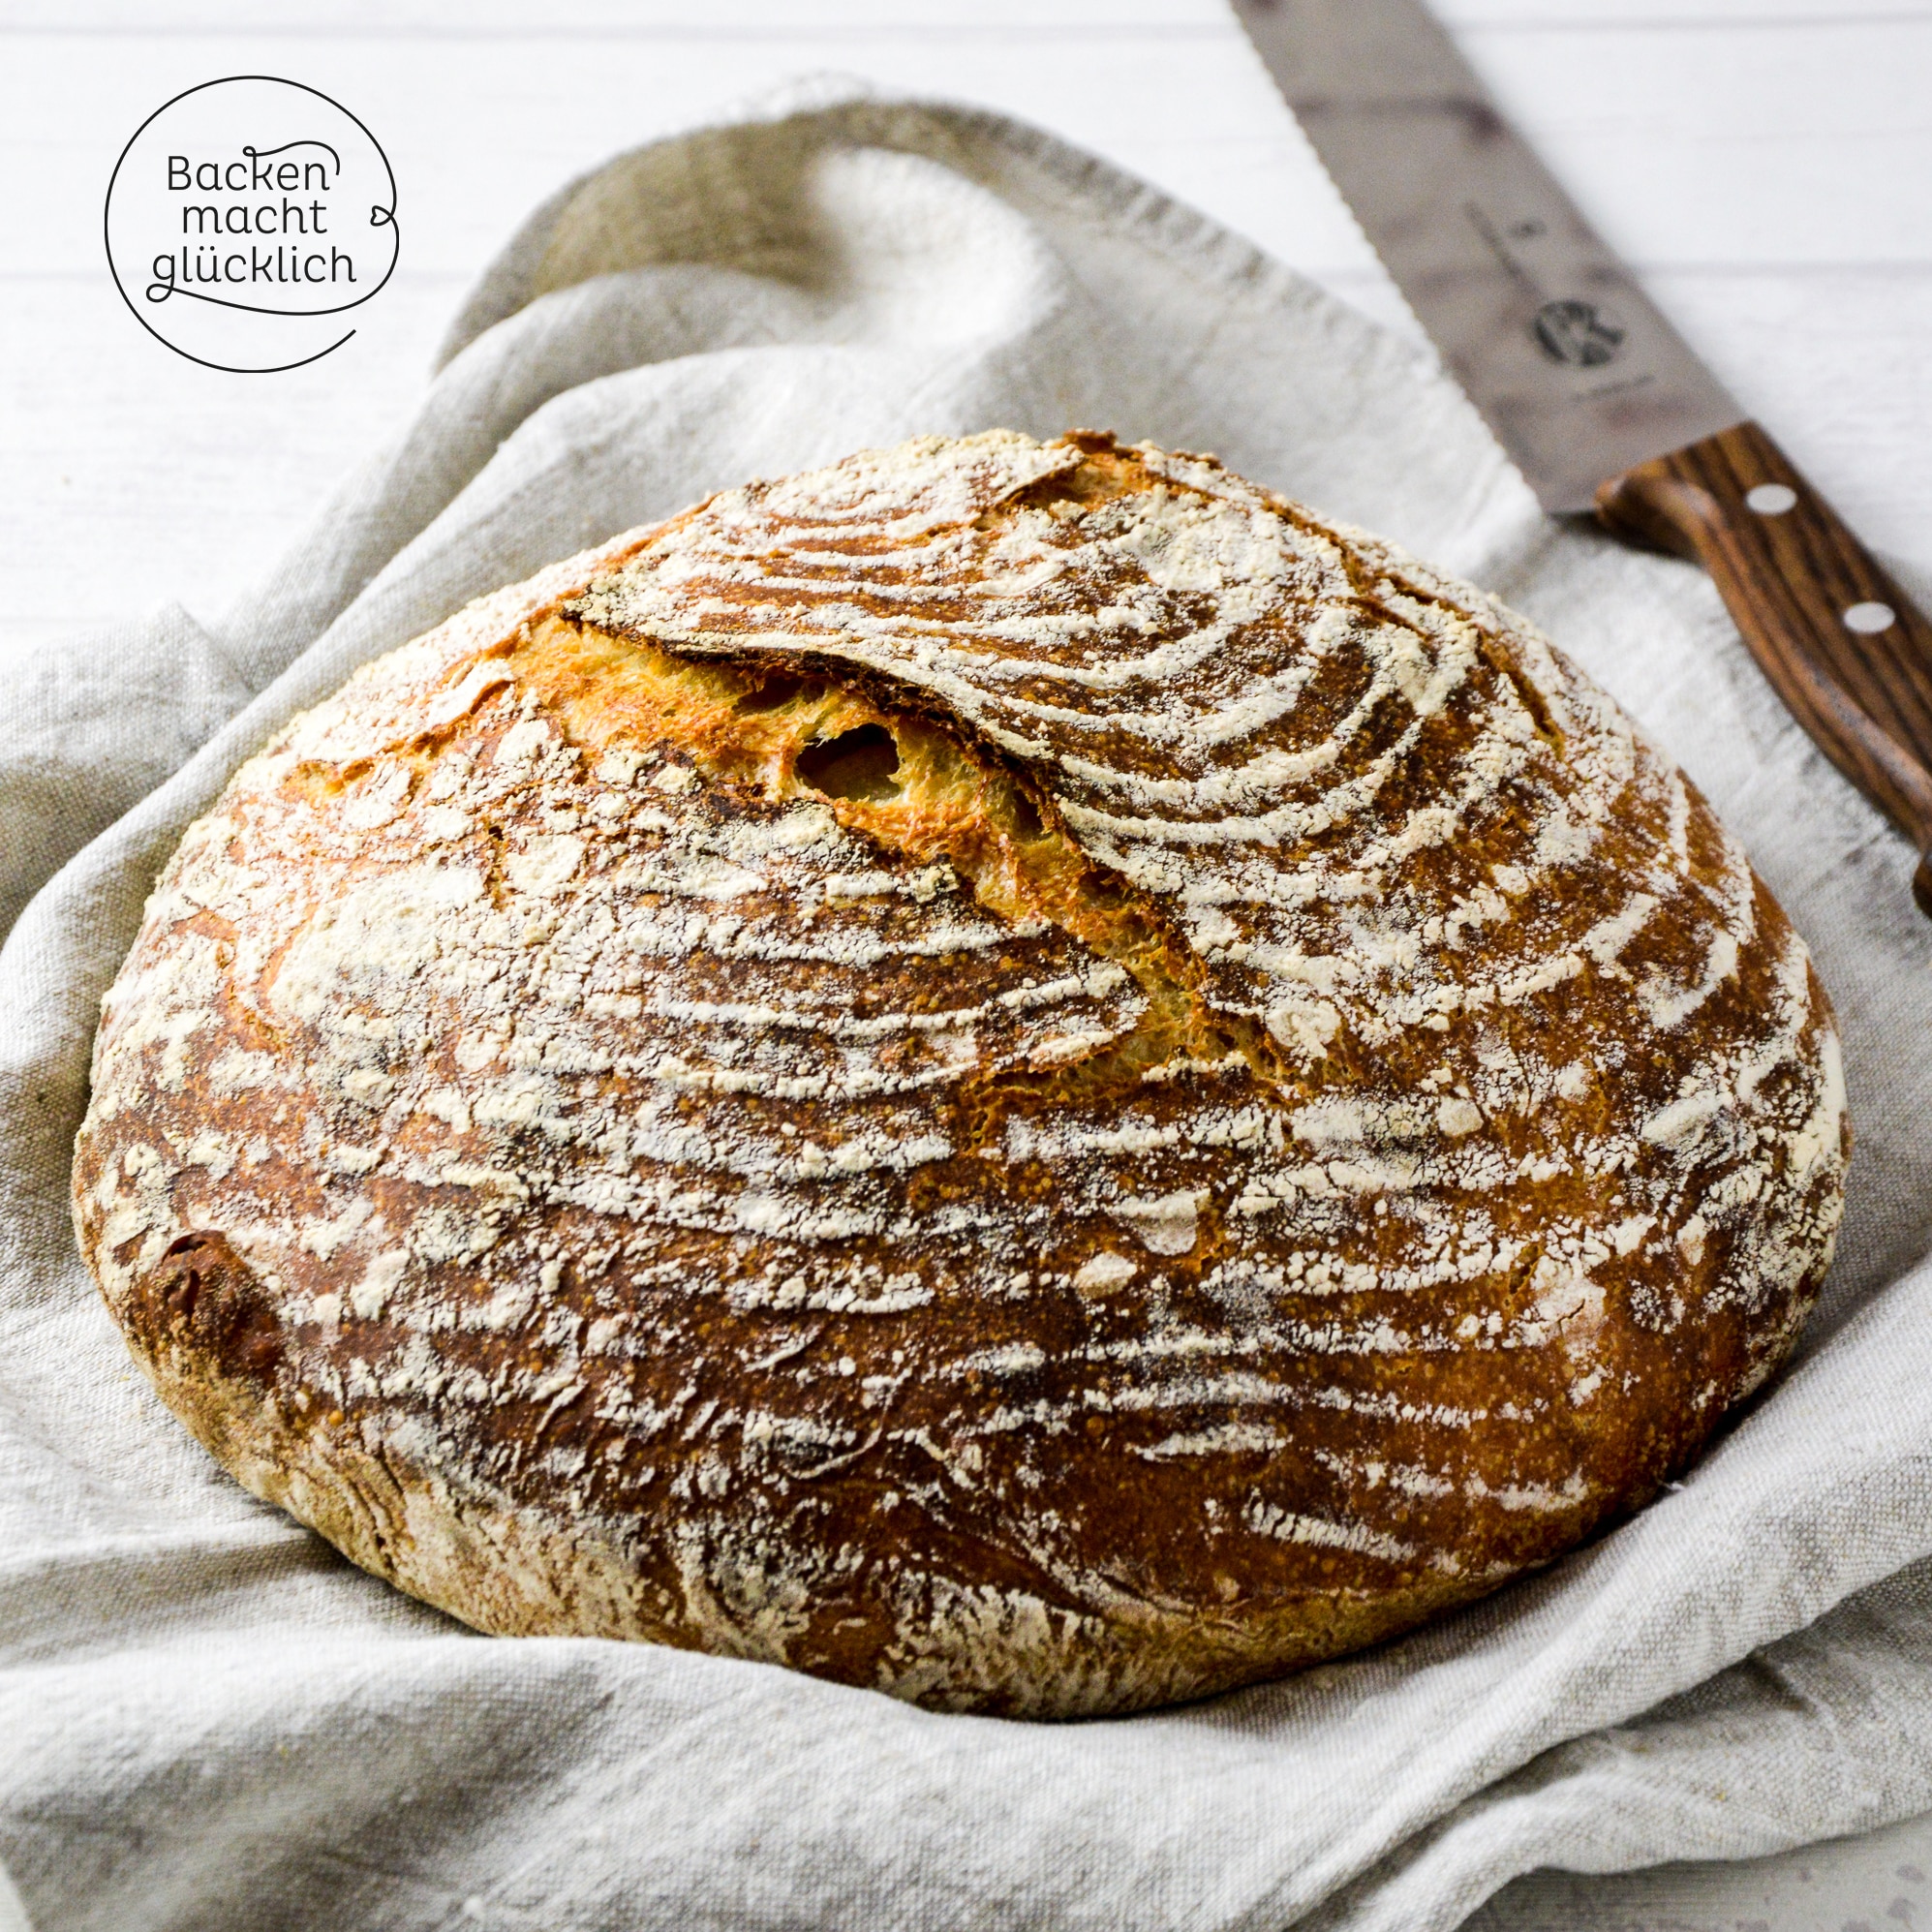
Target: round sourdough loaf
[[1014, 1072]]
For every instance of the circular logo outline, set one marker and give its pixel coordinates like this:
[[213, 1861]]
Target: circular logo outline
[[379, 217]]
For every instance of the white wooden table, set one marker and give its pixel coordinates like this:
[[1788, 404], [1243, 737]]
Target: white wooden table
[[1766, 164]]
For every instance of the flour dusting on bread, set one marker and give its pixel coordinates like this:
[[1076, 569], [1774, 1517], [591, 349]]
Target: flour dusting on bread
[[1012, 1072]]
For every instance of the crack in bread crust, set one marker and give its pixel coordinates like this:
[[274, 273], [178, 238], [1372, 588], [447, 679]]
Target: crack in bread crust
[[1012, 1072]]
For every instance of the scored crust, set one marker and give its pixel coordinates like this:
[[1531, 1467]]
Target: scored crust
[[1011, 1072]]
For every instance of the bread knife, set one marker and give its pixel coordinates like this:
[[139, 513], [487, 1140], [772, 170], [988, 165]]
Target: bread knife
[[1597, 399]]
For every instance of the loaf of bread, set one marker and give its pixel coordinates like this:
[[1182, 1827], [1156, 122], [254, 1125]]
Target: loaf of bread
[[1011, 1072]]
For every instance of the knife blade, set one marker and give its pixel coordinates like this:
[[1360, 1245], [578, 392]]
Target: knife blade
[[1597, 399]]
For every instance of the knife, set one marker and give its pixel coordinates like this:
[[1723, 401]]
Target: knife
[[1600, 403]]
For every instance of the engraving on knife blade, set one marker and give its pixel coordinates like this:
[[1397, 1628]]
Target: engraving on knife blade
[[1567, 328], [1554, 340], [1582, 334]]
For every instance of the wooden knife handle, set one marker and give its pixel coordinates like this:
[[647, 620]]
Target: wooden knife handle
[[1838, 638]]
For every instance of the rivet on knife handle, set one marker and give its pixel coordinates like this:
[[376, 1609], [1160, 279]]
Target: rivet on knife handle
[[1839, 639]]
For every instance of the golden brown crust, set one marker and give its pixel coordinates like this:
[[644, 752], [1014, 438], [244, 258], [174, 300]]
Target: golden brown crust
[[1010, 1072]]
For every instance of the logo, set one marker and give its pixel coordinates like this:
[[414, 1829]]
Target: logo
[[1578, 333], [248, 219]]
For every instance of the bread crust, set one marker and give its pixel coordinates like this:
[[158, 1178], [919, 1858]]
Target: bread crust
[[1010, 1072]]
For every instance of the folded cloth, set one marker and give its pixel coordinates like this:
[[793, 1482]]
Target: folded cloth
[[213, 1722]]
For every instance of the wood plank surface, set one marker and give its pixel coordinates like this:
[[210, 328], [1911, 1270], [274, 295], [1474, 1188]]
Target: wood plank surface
[[1767, 167], [769, 18]]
